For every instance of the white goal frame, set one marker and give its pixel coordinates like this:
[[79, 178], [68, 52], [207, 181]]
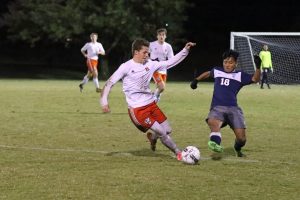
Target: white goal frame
[[254, 37]]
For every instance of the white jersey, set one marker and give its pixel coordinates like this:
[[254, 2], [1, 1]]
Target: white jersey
[[136, 79], [93, 49], [161, 52]]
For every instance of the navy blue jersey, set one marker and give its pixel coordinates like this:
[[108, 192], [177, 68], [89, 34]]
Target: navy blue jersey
[[227, 86]]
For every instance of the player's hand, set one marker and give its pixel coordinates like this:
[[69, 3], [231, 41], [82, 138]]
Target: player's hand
[[272, 70], [194, 84], [189, 45], [257, 61], [105, 109]]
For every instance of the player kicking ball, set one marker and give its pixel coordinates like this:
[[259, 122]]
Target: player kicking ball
[[136, 75], [224, 109]]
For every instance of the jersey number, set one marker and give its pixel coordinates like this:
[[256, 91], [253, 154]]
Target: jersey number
[[225, 81]]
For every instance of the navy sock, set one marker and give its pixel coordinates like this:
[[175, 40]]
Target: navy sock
[[216, 139], [239, 144]]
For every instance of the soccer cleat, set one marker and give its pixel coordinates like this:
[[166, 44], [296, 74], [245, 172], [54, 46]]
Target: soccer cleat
[[80, 87], [98, 90], [179, 156], [152, 141], [215, 147], [240, 154]]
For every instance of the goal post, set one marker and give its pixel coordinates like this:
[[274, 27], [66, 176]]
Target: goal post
[[284, 48]]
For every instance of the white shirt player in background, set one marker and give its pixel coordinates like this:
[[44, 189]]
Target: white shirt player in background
[[90, 51], [160, 50], [143, 111]]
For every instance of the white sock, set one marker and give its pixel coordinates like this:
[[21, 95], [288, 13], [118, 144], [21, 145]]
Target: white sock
[[96, 82], [85, 80]]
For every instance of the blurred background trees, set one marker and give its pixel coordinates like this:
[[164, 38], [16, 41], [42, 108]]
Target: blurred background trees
[[53, 31]]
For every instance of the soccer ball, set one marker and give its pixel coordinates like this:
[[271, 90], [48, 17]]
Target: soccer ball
[[190, 155]]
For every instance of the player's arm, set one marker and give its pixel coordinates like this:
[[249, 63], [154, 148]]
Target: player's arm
[[101, 50], [118, 75], [201, 77], [177, 58], [256, 75], [83, 50]]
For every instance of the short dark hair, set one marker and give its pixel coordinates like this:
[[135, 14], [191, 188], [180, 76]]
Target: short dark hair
[[138, 44], [161, 30], [230, 53]]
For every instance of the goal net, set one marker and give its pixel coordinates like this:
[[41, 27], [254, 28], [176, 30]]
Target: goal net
[[284, 48]]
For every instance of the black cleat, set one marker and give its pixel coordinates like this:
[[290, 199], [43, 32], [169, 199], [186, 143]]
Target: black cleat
[[240, 154]]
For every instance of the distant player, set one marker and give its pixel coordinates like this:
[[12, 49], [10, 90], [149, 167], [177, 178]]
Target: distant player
[[224, 109], [136, 75], [160, 50], [90, 51], [266, 65]]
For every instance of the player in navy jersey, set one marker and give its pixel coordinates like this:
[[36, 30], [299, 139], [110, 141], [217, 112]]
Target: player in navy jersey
[[224, 108]]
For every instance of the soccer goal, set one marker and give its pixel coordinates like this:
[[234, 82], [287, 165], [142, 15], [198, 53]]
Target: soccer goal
[[284, 48]]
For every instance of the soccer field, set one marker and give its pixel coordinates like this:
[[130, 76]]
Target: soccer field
[[55, 143]]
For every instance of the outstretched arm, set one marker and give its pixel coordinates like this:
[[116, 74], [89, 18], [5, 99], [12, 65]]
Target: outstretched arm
[[108, 85], [201, 77], [256, 75], [177, 58]]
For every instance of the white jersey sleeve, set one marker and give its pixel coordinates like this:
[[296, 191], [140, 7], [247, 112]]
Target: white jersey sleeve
[[163, 65]]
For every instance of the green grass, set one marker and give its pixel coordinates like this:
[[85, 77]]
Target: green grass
[[56, 144]]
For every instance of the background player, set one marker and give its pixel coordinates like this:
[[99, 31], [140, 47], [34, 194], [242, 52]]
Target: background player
[[90, 51], [136, 75], [224, 108], [266, 65], [160, 50]]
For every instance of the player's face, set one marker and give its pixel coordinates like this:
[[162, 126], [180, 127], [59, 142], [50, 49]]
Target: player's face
[[161, 37], [142, 55], [229, 64], [94, 38]]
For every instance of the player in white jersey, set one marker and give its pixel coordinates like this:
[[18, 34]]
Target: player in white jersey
[[91, 50], [160, 50], [136, 75]]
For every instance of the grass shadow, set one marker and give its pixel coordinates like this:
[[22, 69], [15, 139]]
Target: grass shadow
[[228, 152], [142, 152]]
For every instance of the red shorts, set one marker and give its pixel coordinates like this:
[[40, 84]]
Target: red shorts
[[158, 77], [144, 117], [91, 64]]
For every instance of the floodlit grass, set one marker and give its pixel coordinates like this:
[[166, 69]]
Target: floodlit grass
[[56, 144]]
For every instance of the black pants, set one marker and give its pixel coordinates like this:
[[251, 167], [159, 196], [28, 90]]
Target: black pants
[[264, 78]]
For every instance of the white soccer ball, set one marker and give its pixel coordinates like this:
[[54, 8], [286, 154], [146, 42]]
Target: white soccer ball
[[190, 155]]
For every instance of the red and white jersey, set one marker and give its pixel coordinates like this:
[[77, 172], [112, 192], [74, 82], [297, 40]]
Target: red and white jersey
[[136, 79], [161, 52], [93, 49]]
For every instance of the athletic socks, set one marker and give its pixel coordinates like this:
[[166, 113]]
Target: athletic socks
[[215, 137], [96, 82], [239, 144]]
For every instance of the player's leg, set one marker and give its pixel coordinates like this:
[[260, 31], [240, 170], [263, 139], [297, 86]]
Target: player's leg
[[159, 80], [263, 80], [215, 137], [94, 64], [240, 141], [166, 139], [84, 81], [215, 121], [152, 136], [95, 80], [238, 125], [267, 80]]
